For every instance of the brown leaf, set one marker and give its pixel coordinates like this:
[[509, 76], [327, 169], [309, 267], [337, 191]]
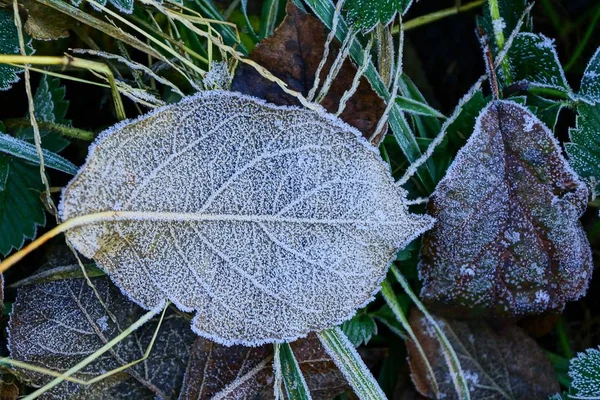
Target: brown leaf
[[507, 240], [45, 23], [293, 54], [498, 362], [239, 372]]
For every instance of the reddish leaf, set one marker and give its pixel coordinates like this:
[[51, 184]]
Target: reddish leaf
[[498, 362], [239, 372], [507, 240], [293, 54]]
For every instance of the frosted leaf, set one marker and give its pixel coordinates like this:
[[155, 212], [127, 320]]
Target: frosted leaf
[[9, 44], [268, 222], [584, 370], [364, 15], [56, 325], [239, 372], [498, 363], [533, 59], [507, 240], [584, 149]]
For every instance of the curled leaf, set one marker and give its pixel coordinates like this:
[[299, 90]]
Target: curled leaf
[[269, 222], [507, 240]]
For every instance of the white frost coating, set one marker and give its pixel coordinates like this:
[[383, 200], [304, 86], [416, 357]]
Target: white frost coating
[[102, 323], [528, 124], [509, 208], [269, 222], [584, 370], [498, 25], [218, 76]]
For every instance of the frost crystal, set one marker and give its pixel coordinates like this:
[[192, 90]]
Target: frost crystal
[[268, 222], [218, 76], [507, 240]]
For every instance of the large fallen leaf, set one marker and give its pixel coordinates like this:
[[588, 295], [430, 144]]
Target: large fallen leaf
[[56, 325], [269, 222], [293, 54], [499, 363], [507, 240], [239, 372]]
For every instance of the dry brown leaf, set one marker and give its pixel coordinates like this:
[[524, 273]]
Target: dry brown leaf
[[293, 54], [45, 23], [238, 372], [500, 363], [507, 240]]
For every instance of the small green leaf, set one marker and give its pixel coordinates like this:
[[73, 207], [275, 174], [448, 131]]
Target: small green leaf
[[9, 44], [585, 372], [21, 210], [27, 151], [547, 110], [590, 83], [364, 15], [533, 59], [360, 329], [417, 107], [510, 14], [295, 384], [584, 149]]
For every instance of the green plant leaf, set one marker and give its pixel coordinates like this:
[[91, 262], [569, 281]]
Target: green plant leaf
[[584, 370], [510, 13], [21, 209], [533, 59], [360, 329], [364, 15], [584, 148], [9, 44]]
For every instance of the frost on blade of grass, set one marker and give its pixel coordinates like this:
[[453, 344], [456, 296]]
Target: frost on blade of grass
[[584, 370], [498, 362], [56, 325], [9, 44], [507, 240], [268, 222]]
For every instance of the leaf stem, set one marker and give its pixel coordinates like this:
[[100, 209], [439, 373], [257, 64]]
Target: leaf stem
[[498, 26], [347, 359], [69, 61], [437, 15], [62, 129]]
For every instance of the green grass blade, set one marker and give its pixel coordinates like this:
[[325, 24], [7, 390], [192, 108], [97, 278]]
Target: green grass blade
[[324, 9], [416, 107], [392, 301], [295, 384], [27, 151], [347, 359]]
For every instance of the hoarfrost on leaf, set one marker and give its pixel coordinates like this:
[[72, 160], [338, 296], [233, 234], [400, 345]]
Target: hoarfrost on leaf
[[507, 240], [584, 370], [269, 222], [56, 325]]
